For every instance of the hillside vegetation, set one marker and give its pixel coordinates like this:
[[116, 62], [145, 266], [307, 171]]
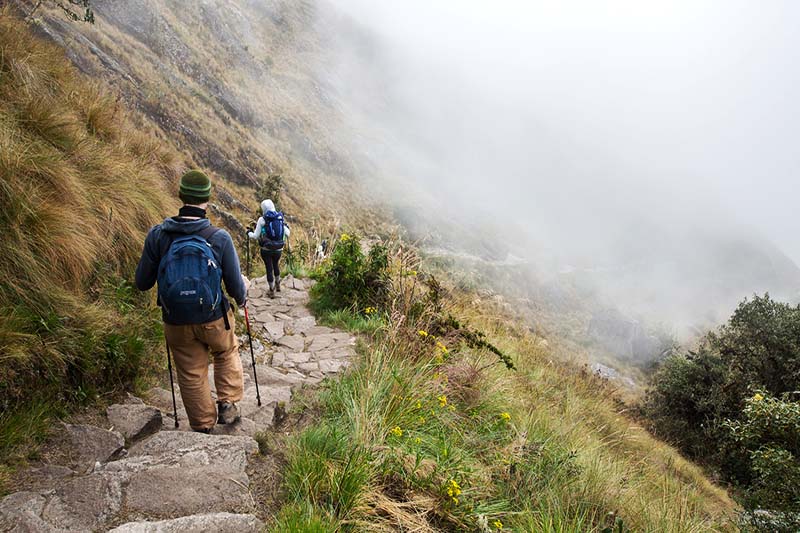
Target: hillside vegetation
[[79, 187], [431, 432]]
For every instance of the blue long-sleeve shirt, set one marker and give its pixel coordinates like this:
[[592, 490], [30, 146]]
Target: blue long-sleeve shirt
[[157, 244]]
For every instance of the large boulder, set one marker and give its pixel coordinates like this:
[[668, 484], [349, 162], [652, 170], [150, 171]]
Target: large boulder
[[91, 444], [134, 421]]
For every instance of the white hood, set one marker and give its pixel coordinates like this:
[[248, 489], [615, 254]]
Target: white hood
[[267, 205]]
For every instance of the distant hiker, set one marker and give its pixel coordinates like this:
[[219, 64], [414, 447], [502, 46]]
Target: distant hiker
[[190, 258], [271, 231], [322, 249]]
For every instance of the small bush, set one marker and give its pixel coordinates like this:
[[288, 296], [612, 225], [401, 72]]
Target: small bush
[[765, 446], [351, 279]]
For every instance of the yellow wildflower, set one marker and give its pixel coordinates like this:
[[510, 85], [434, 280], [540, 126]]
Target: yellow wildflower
[[505, 416], [442, 400], [412, 272], [370, 310], [345, 237], [396, 431], [419, 404], [757, 397], [442, 347], [422, 333], [438, 359], [421, 420], [417, 440], [453, 490], [452, 407], [497, 524]]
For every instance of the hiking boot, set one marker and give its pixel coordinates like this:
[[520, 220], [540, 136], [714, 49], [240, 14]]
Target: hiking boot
[[271, 292], [204, 430], [228, 413], [278, 284]]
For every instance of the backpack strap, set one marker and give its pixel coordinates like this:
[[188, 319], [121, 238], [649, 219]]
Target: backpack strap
[[207, 233]]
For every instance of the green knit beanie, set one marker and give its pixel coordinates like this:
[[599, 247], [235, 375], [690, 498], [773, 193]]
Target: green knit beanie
[[195, 188]]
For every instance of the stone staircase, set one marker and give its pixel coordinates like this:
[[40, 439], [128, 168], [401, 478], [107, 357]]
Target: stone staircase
[[139, 474]]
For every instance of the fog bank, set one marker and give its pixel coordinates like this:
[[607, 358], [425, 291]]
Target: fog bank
[[652, 144]]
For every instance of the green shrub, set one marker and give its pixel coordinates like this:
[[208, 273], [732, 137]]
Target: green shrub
[[706, 403], [766, 443], [351, 279]]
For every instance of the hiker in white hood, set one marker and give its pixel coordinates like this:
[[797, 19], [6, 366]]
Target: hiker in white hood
[[271, 232]]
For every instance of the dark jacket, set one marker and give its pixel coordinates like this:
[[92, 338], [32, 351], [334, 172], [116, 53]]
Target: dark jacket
[[160, 237]]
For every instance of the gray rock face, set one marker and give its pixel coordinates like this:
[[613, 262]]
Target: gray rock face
[[165, 492], [134, 421], [86, 502], [22, 512], [93, 444], [217, 522], [177, 449], [81, 504], [181, 473]]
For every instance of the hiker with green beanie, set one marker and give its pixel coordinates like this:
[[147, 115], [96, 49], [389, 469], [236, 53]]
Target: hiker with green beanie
[[190, 259]]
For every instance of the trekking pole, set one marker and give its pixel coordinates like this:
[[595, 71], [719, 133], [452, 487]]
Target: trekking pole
[[290, 260], [247, 240], [252, 355], [172, 386]]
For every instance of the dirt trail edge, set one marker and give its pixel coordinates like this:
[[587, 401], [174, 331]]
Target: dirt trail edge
[[142, 475]]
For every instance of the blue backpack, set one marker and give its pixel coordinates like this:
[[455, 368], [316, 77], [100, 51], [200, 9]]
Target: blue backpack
[[190, 280], [272, 233]]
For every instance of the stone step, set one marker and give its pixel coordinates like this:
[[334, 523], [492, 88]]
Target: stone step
[[217, 522]]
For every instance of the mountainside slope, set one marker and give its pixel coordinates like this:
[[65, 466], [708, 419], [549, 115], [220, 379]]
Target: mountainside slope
[[233, 85], [79, 187]]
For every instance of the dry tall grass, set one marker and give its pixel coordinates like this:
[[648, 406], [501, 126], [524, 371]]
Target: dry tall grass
[[79, 187]]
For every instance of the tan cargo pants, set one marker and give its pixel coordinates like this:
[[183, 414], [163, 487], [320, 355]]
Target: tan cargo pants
[[190, 345]]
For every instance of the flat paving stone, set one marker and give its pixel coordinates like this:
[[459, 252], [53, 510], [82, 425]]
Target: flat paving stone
[[299, 357], [318, 330], [333, 366], [293, 342], [308, 367], [274, 330]]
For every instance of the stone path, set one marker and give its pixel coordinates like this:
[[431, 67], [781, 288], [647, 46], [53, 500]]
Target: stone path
[[141, 475]]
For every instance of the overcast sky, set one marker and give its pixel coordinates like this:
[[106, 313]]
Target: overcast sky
[[602, 112]]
